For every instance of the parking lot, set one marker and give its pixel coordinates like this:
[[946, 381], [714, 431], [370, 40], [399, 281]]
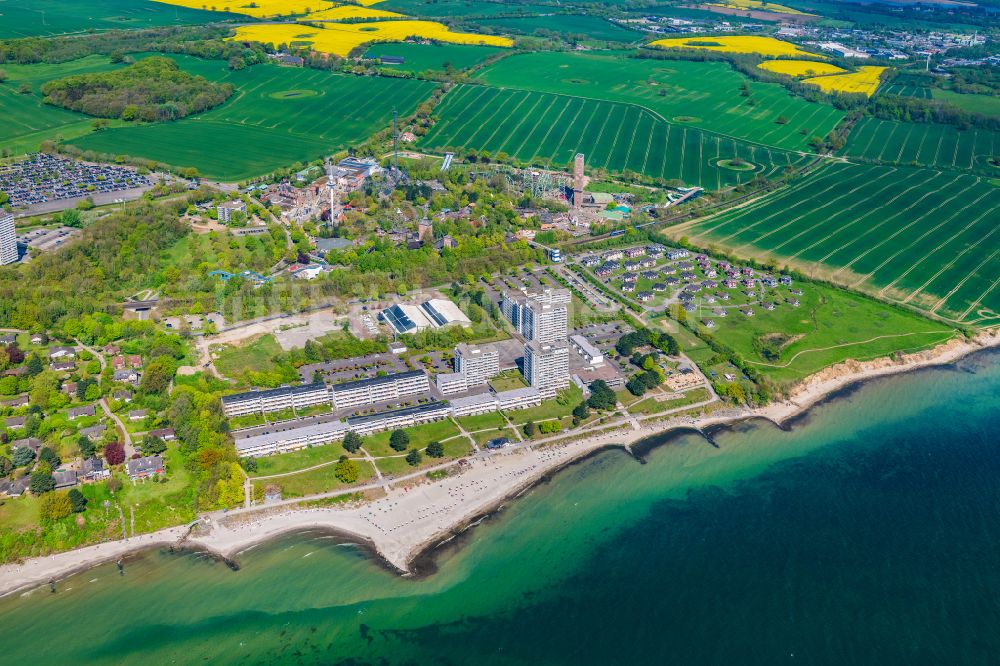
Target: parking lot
[[349, 369], [48, 238], [43, 178]]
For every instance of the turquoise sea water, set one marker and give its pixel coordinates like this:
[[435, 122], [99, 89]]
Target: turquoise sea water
[[868, 533]]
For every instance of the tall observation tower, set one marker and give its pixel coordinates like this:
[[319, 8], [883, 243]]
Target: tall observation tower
[[578, 180]]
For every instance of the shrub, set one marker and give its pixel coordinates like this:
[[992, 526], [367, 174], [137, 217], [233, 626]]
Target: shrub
[[77, 500], [114, 453], [346, 470], [55, 507]]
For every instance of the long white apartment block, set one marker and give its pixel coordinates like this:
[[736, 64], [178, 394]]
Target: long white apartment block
[[8, 239], [399, 418], [349, 394], [326, 428], [379, 389], [275, 400], [318, 430], [289, 436], [471, 405]]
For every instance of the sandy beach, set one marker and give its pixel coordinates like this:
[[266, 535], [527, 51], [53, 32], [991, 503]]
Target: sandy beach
[[415, 514]]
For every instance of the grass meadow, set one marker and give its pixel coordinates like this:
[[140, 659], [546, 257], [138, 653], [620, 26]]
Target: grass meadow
[[548, 130], [925, 238], [705, 95], [829, 326]]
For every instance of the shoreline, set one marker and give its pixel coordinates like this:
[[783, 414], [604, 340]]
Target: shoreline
[[415, 521]]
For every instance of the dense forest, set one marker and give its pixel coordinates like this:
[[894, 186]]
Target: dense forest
[[153, 89]]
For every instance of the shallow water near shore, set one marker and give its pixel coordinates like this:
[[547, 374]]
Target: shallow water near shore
[[869, 534]]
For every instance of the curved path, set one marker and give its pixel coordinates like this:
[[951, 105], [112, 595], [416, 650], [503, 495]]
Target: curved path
[[951, 334], [129, 448]]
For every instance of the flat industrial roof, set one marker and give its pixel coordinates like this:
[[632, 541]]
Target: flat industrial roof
[[584, 344], [443, 312]]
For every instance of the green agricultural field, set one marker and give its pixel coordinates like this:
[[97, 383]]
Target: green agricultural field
[[925, 238], [906, 90], [906, 84], [54, 17], [27, 120], [987, 105], [567, 25], [463, 8], [705, 95], [873, 16], [925, 144], [548, 130], [258, 129], [434, 57], [829, 326]]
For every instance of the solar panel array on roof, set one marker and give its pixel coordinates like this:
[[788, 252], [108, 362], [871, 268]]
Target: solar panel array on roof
[[398, 319], [435, 316]]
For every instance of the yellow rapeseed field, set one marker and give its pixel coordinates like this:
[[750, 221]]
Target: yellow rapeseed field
[[865, 80], [257, 8], [757, 5], [764, 46], [800, 67], [340, 38], [350, 12], [368, 3]]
